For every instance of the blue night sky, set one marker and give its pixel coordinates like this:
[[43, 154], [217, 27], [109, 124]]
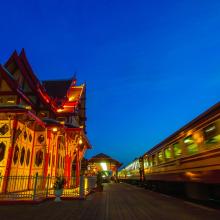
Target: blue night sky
[[150, 66]]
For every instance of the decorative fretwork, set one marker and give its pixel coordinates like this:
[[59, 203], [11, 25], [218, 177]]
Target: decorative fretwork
[[53, 160], [30, 137], [2, 151], [28, 157], [16, 152], [25, 135], [49, 159], [17, 133], [22, 156], [39, 158], [40, 139], [4, 129]]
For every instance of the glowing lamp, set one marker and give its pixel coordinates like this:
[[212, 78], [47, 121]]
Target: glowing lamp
[[104, 166], [11, 101], [71, 98], [80, 141], [28, 107], [54, 129]]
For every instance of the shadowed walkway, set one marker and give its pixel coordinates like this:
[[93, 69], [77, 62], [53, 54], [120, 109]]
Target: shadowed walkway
[[117, 202]]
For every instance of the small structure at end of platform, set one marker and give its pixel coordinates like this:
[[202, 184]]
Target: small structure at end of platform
[[105, 164]]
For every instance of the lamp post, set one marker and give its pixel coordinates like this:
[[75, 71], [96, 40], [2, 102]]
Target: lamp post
[[78, 164]]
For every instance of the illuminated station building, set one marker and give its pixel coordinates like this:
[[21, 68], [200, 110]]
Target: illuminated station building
[[104, 163], [42, 124]]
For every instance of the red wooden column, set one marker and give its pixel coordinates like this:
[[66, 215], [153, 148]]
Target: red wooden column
[[32, 157], [10, 156], [47, 153], [66, 168], [77, 168], [57, 154]]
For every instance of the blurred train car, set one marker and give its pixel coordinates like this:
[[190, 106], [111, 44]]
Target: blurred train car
[[130, 173], [188, 161]]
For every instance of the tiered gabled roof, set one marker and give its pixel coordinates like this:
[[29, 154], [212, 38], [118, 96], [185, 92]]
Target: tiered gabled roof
[[57, 88], [53, 94], [28, 84], [103, 157], [19, 80]]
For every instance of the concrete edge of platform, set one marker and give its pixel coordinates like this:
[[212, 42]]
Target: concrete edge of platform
[[21, 202], [35, 202]]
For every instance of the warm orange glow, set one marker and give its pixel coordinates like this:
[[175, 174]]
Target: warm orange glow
[[59, 110], [11, 101], [54, 129], [71, 98], [28, 107], [80, 141], [189, 132], [198, 138], [190, 174]]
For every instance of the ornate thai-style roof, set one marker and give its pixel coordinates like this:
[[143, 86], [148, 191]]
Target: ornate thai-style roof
[[103, 157], [57, 88], [58, 97], [20, 62], [51, 121]]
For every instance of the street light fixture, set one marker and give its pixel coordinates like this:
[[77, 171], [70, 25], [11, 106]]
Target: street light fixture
[[80, 141]]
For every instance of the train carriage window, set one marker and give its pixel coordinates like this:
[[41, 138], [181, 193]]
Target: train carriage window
[[177, 149], [167, 153], [150, 162], [160, 157], [191, 145], [146, 162], [211, 134], [154, 160]]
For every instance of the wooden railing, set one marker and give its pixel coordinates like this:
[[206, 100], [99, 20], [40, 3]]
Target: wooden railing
[[38, 188]]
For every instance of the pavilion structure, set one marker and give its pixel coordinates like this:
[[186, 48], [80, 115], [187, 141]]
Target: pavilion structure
[[103, 162], [42, 125]]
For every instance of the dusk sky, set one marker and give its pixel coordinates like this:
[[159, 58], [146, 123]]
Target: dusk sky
[[150, 66]]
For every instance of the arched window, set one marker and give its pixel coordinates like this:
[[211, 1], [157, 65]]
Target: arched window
[[28, 157], [39, 158], [2, 151], [22, 156], [16, 152]]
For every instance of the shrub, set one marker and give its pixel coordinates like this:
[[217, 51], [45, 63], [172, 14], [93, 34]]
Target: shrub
[[59, 183]]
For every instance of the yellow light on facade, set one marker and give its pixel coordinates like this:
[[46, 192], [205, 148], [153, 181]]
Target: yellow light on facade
[[59, 110], [71, 98], [80, 141], [54, 129], [104, 166], [11, 101], [28, 107]]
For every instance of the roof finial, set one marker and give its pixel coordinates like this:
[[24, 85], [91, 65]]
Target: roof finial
[[74, 79]]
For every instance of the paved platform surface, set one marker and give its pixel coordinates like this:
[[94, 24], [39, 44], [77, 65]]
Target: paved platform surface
[[117, 202]]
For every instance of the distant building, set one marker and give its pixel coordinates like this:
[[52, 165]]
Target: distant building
[[42, 124], [103, 162]]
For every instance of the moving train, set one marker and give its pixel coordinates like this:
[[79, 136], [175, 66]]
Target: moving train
[[187, 161]]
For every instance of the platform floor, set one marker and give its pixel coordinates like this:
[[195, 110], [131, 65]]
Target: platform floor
[[117, 202]]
